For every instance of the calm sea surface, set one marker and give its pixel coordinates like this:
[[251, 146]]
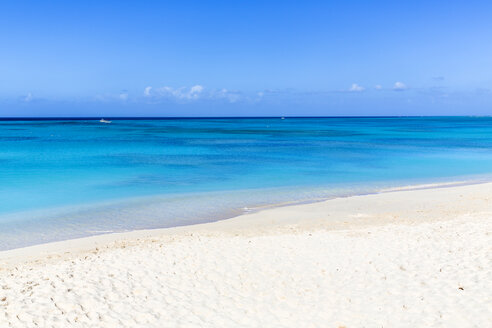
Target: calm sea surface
[[73, 178]]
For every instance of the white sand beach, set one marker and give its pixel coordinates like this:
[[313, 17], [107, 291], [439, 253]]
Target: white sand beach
[[411, 258]]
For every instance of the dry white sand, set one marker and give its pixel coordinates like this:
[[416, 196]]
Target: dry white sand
[[418, 258]]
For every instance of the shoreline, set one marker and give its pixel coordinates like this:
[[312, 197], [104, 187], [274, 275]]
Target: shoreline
[[412, 258], [72, 234], [85, 244]]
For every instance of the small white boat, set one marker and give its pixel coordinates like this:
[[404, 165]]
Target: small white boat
[[282, 118], [104, 121]]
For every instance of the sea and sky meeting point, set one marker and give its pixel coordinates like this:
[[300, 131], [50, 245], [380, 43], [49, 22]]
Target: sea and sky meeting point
[[245, 164]]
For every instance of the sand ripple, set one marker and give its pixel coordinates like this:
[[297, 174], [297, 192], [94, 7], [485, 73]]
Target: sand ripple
[[427, 275]]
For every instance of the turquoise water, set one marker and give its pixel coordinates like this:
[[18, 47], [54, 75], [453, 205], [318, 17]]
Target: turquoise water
[[72, 178]]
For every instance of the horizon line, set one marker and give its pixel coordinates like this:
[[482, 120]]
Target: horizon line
[[82, 118]]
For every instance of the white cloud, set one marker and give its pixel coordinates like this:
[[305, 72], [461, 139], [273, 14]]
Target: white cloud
[[123, 96], [356, 88], [399, 86], [378, 87], [195, 92], [196, 89], [183, 93]]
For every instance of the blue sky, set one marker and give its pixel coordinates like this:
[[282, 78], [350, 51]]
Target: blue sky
[[242, 58]]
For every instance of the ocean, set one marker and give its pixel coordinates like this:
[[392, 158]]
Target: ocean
[[63, 179]]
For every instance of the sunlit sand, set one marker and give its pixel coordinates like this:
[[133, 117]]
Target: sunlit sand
[[419, 258]]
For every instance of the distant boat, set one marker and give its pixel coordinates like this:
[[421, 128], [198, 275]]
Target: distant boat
[[104, 121], [282, 118]]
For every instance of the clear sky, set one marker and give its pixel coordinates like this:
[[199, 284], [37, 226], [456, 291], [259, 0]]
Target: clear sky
[[245, 58]]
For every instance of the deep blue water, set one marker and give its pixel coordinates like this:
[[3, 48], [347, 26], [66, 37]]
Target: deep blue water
[[70, 178]]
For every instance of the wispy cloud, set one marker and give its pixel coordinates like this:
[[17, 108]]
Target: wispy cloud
[[28, 97], [231, 96], [196, 92], [399, 86], [182, 93], [356, 88], [199, 93], [122, 96]]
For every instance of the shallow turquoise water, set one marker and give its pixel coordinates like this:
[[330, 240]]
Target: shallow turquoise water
[[65, 179]]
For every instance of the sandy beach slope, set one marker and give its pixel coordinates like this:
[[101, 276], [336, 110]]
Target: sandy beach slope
[[412, 258]]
